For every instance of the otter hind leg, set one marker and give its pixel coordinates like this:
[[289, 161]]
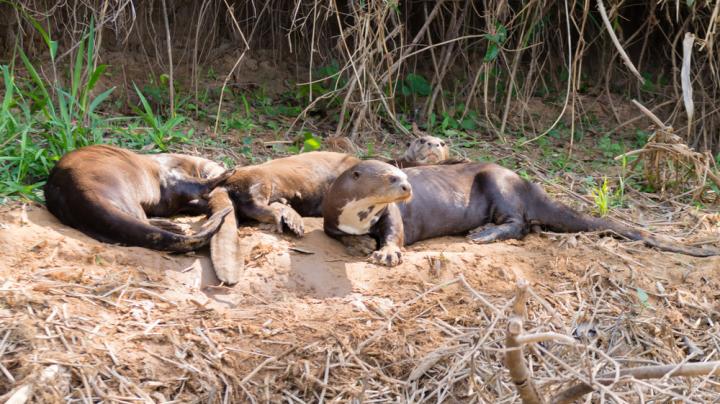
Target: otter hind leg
[[489, 233]]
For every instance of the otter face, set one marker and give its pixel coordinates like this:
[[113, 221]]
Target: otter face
[[373, 185], [427, 150]]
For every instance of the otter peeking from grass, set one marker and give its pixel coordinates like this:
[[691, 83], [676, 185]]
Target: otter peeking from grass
[[426, 150], [375, 206]]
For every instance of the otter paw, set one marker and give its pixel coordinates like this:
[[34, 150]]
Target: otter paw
[[389, 256], [480, 229], [360, 246], [286, 214], [294, 221], [455, 160]]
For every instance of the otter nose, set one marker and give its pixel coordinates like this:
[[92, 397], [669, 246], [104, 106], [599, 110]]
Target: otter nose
[[406, 186]]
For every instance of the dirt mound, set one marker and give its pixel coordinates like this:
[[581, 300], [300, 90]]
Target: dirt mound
[[95, 320]]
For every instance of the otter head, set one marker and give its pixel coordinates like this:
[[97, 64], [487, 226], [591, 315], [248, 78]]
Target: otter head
[[367, 188], [427, 149]]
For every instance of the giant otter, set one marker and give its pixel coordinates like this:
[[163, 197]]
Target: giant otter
[[426, 150], [108, 192], [279, 192], [399, 207]]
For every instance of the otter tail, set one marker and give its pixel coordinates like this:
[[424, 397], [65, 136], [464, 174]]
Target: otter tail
[[558, 217], [116, 226]]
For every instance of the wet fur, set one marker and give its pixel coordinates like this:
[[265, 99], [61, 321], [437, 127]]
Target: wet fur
[[108, 193], [457, 199]]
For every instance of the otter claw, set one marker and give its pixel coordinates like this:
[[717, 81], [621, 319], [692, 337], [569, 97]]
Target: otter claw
[[389, 256], [292, 219]]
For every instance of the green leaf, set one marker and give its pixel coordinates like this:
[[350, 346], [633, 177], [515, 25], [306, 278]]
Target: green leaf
[[78, 67], [690, 3], [468, 124], [445, 123], [95, 76], [164, 78], [292, 149], [53, 49], [247, 140], [98, 100], [91, 40], [406, 91], [492, 52], [312, 144], [308, 135], [642, 295], [501, 35], [425, 89], [34, 74]]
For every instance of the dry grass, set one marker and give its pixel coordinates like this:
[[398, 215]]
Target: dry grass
[[377, 44], [445, 344]]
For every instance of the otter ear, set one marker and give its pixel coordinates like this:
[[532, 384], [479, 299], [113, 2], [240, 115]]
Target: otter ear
[[408, 144], [356, 175]]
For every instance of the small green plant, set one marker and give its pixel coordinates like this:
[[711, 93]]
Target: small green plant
[[496, 43], [40, 122], [610, 148], [452, 122], [162, 133], [369, 154], [643, 301], [602, 196], [309, 144]]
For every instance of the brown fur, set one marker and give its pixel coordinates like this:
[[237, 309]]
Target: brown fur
[[426, 150], [456, 199], [298, 184], [108, 193], [278, 192]]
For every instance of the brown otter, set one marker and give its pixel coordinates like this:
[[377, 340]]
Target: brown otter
[[107, 193], [282, 191], [279, 192], [447, 200], [426, 150]]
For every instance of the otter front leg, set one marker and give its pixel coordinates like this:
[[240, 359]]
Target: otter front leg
[[278, 214], [490, 232], [359, 246], [391, 229], [454, 160]]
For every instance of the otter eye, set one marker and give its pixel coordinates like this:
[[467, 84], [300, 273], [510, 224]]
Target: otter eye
[[393, 179], [422, 141], [442, 144]]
